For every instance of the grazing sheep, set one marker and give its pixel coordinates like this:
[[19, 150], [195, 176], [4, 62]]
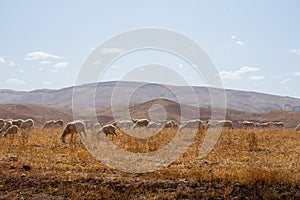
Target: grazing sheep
[[227, 124], [220, 124], [109, 129], [7, 124], [193, 124], [17, 122], [140, 123], [58, 123], [73, 127], [12, 130], [96, 126], [170, 125], [48, 124], [265, 125], [277, 125], [53, 124], [27, 124], [248, 125], [125, 125], [154, 125]]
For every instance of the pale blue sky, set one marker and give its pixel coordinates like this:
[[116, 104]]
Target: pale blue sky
[[255, 45]]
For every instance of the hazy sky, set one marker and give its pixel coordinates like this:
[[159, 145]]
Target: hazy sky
[[255, 45]]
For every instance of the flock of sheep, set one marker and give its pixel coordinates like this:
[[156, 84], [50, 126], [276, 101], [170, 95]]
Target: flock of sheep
[[11, 127]]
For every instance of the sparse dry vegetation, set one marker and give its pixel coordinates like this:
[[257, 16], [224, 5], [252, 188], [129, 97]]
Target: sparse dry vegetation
[[244, 163]]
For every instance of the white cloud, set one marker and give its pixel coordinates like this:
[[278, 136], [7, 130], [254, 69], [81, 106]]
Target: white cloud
[[233, 36], [111, 50], [2, 60], [241, 43], [285, 81], [60, 65], [15, 81], [296, 73], [256, 77], [232, 75], [45, 62], [181, 65], [296, 51], [36, 55], [21, 70], [40, 69]]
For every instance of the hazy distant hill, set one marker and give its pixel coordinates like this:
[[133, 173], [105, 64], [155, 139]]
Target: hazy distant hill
[[173, 112], [142, 92]]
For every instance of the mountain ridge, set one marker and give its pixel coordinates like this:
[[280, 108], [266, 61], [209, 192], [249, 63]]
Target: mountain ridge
[[250, 101]]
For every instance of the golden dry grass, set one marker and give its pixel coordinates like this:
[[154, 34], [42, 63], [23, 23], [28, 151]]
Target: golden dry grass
[[253, 163]]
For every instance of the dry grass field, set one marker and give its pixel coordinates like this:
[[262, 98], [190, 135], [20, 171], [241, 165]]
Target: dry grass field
[[245, 164]]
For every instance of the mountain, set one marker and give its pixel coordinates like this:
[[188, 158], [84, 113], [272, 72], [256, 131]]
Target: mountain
[[137, 92]]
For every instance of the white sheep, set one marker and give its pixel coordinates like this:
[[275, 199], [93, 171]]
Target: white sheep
[[48, 124], [109, 129], [248, 125], [73, 127], [96, 126], [125, 124], [58, 123], [53, 124], [140, 123], [12, 130], [170, 125], [27, 124], [220, 124], [193, 124], [155, 125], [277, 125], [265, 125]]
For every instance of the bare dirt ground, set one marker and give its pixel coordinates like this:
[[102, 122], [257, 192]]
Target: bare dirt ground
[[245, 164]]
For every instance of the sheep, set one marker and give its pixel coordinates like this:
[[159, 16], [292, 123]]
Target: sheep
[[17, 122], [265, 125], [248, 125], [193, 124], [227, 124], [53, 124], [96, 126], [109, 129], [277, 125], [140, 123], [12, 130], [73, 127], [220, 124], [48, 124], [170, 125], [125, 125], [7, 124], [154, 125], [27, 124], [58, 123]]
